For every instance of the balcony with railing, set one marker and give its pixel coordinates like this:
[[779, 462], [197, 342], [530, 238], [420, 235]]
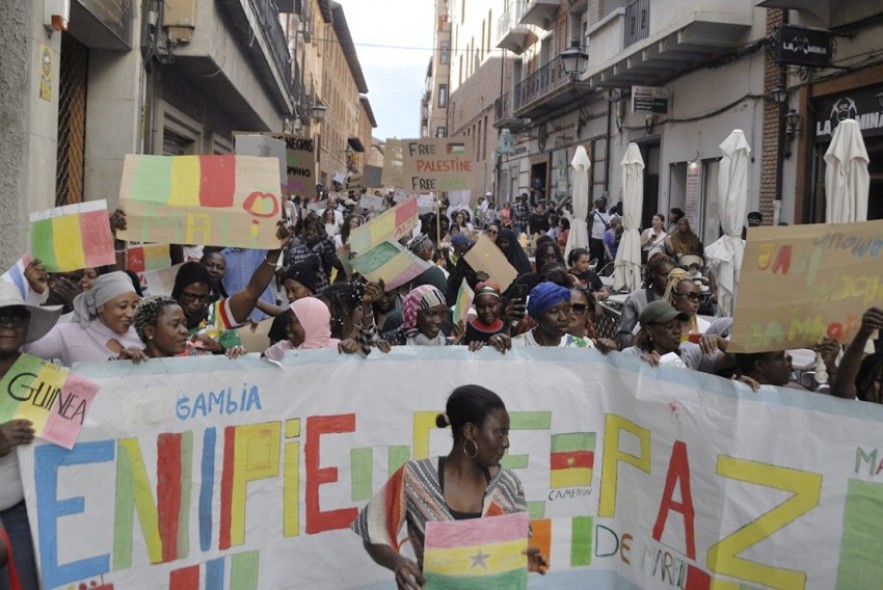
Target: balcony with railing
[[635, 45], [541, 13], [545, 91], [242, 52], [637, 22], [513, 35], [504, 115]]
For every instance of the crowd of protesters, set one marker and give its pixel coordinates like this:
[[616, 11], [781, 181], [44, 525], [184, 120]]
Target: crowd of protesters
[[315, 301]]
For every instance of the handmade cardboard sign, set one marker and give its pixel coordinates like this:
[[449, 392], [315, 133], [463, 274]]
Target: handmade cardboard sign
[[72, 237], [393, 174], [800, 283], [487, 553], [465, 296], [297, 158], [436, 165], [55, 400], [392, 224], [484, 256], [210, 200], [389, 262]]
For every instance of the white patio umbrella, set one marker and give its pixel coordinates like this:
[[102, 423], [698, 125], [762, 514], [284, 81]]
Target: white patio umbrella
[[847, 181], [725, 255], [627, 265], [579, 232]]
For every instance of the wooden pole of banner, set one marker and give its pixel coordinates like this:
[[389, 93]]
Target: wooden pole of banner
[[437, 222]]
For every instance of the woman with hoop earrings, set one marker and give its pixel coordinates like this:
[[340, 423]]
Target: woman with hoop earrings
[[468, 483]]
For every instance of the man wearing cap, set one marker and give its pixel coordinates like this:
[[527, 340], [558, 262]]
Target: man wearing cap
[[20, 323], [659, 341]]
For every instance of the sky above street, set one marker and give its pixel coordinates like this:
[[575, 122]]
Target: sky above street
[[393, 40]]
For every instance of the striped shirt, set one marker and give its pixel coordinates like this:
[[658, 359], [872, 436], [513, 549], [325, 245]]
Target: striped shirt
[[414, 495]]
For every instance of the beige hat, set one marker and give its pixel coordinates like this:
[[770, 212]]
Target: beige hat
[[42, 318]]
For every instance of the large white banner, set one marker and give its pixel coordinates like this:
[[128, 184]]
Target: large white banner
[[206, 473]]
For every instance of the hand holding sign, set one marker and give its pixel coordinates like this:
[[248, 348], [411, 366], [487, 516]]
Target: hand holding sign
[[14, 433]]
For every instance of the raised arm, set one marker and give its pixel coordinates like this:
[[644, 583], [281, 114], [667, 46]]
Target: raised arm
[[244, 301], [844, 383]]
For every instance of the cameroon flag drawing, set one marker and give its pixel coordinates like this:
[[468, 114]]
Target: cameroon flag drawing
[[572, 460], [477, 554]]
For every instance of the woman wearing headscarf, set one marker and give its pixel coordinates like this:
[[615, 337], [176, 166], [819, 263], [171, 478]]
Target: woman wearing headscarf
[[683, 241], [101, 326], [422, 247], [211, 323], [512, 250], [467, 483], [309, 327], [549, 306], [487, 325], [424, 313], [21, 323]]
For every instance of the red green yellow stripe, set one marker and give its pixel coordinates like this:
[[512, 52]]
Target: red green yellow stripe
[[72, 237], [572, 459], [186, 181]]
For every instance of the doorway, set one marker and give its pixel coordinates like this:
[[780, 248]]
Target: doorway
[[650, 154]]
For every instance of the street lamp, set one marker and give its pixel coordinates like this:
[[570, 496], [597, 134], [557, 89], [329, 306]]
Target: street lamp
[[779, 94], [574, 60], [792, 130], [318, 111]]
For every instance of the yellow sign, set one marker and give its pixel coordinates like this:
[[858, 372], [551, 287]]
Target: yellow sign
[[45, 73]]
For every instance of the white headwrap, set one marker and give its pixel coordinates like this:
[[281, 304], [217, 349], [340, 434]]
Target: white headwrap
[[104, 288]]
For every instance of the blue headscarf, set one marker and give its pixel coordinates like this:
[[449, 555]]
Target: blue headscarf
[[545, 296]]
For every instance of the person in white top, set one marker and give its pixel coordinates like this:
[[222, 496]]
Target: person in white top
[[599, 220], [653, 238]]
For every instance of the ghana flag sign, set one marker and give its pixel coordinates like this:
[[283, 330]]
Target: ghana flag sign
[[216, 200], [51, 397], [478, 553], [72, 237]]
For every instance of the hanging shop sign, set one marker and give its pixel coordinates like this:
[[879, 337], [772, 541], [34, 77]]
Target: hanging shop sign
[[649, 99], [802, 46], [860, 104]]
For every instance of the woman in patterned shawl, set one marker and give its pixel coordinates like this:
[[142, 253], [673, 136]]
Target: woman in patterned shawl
[[468, 483]]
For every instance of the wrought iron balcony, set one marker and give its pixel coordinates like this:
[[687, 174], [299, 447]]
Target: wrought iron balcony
[[637, 22], [268, 17], [531, 92]]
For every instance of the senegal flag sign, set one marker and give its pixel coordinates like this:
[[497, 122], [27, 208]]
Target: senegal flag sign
[[479, 553]]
